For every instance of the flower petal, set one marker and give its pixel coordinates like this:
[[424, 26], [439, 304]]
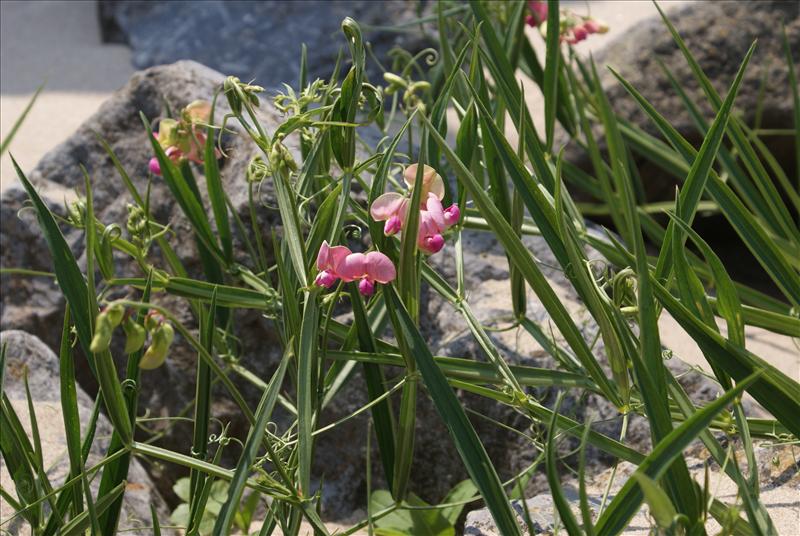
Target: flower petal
[[379, 267], [386, 206], [352, 267], [435, 210], [331, 257], [431, 181]]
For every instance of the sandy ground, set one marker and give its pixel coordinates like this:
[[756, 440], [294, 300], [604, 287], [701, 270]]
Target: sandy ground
[[58, 43]]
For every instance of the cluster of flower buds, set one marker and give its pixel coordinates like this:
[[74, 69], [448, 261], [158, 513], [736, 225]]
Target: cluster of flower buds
[[161, 334], [573, 28], [280, 158], [257, 170], [412, 98], [76, 213], [339, 262], [434, 219], [137, 223], [238, 93], [184, 137]]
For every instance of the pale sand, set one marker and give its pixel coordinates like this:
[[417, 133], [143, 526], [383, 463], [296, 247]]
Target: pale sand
[[57, 43], [60, 42]]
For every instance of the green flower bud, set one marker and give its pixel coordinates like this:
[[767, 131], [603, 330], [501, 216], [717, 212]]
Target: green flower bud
[[76, 213], [257, 170], [156, 353], [135, 335], [137, 222]]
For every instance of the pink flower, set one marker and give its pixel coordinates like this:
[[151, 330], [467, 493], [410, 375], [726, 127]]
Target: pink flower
[[538, 12], [339, 263], [173, 153], [392, 208]]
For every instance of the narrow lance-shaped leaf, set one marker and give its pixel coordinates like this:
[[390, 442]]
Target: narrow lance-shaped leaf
[[449, 408]]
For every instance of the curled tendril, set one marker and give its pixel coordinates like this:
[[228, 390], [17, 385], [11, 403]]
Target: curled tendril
[[352, 231], [129, 384], [112, 233]]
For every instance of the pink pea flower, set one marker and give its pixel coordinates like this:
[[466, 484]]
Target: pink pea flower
[[538, 12], [329, 260], [392, 208], [339, 263]]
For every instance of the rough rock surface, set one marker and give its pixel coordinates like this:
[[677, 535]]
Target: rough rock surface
[[718, 34], [27, 354], [254, 40], [35, 304], [779, 477]]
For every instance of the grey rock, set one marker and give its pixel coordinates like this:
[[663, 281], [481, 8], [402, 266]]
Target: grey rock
[[27, 355], [779, 492], [718, 34], [36, 305], [255, 40]]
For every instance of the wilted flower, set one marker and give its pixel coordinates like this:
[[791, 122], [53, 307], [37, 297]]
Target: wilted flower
[[184, 138], [339, 262], [434, 219]]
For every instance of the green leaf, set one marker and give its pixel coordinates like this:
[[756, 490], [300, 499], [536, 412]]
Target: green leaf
[[447, 405], [661, 507], [626, 503], [254, 439], [551, 70], [21, 119], [554, 480]]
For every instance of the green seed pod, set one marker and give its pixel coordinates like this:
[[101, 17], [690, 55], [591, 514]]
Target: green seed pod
[[395, 82], [135, 335], [420, 86], [115, 314], [102, 333], [156, 353]]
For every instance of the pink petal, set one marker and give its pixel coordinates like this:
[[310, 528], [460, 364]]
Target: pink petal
[[435, 210], [431, 244], [330, 257], [325, 279], [393, 226], [431, 181], [366, 287], [353, 267], [386, 206], [155, 167], [379, 267], [451, 215]]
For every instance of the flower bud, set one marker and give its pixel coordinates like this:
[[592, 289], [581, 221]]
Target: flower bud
[[76, 213], [137, 221], [366, 287], [154, 166], [156, 353], [134, 335]]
